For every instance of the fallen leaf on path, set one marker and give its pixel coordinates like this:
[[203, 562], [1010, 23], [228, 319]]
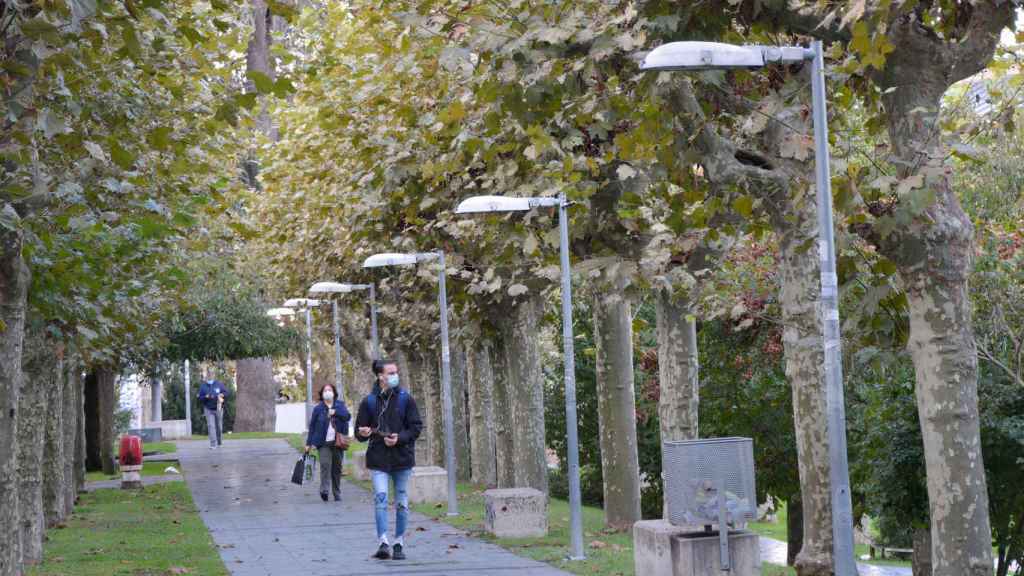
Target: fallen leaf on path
[[598, 544]]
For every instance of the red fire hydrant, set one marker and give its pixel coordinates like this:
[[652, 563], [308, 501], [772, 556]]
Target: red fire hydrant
[[130, 457]]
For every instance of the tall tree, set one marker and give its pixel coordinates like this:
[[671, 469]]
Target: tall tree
[[482, 432]]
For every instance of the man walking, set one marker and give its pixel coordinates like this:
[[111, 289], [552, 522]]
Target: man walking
[[389, 420], [212, 395]]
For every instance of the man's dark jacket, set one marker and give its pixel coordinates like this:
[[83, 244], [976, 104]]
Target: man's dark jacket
[[208, 394], [388, 418]]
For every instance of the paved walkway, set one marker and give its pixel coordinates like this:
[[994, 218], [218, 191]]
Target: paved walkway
[[265, 525]]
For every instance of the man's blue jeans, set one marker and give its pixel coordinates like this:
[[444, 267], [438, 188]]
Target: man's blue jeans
[[380, 491]]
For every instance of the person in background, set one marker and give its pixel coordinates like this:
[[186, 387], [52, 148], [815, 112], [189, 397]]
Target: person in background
[[212, 395], [329, 421], [389, 420]]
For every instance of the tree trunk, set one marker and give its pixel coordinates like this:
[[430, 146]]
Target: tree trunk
[[258, 59], [91, 409], [526, 393], [14, 279], [933, 255], [921, 561], [435, 410], [106, 380], [256, 397], [460, 414], [52, 377], [794, 528], [71, 412], [678, 368], [616, 403], [504, 469], [480, 381], [156, 401], [80, 440], [37, 363], [805, 369]]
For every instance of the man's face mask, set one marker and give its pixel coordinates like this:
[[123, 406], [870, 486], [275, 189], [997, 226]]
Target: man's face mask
[[392, 380], [328, 395]]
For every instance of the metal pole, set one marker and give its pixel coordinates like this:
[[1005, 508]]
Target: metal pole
[[573, 448], [446, 390], [373, 322], [188, 400], [842, 510], [309, 365], [337, 351]]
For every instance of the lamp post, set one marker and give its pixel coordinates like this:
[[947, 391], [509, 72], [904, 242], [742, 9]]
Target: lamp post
[[683, 56], [342, 288], [307, 304], [392, 259], [188, 399], [482, 204]]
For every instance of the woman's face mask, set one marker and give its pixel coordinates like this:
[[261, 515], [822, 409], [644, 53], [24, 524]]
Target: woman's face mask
[[328, 395], [392, 380]]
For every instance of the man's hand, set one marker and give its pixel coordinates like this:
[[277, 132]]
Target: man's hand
[[308, 448], [364, 431], [390, 440]]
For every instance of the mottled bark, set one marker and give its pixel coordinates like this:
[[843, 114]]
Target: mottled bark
[[71, 413], [52, 377], [435, 410], [14, 280], [616, 401], [36, 363], [482, 432], [106, 380], [921, 561], [256, 397], [933, 256], [794, 529], [504, 466], [80, 440], [460, 412], [678, 367], [805, 368], [526, 392], [411, 374], [258, 59], [91, 409]]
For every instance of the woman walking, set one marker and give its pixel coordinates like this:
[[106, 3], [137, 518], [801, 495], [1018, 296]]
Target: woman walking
[[328, 433]]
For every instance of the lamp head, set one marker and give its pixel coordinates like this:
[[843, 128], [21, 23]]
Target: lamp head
[[330, 288], [397, 259], [483, 204], [697, 56], [278, 312], [301, 303]]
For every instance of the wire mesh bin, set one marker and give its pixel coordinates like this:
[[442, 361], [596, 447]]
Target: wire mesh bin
[[699, 472]]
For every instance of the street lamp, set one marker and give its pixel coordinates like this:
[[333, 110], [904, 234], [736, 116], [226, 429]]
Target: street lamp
[[714, 56], [341, 288], [392, 259], [308, 305], [478, 204]]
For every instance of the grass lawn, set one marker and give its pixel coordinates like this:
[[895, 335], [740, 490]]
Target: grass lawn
[[159, 447], [148, 469], [155, 531]]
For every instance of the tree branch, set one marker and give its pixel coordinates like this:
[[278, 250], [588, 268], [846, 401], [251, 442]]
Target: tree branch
[[975, 49]]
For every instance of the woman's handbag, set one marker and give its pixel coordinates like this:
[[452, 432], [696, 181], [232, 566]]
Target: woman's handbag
[[299, 472], [341, 441]]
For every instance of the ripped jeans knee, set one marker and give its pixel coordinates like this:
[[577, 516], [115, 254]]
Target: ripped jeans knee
[[381, 501]]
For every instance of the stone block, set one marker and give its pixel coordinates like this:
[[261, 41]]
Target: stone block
[[428, 484], [699, 554], [653, 553], [516, 512], [664, 549], [359, 469], [172, 429], [131, 477]]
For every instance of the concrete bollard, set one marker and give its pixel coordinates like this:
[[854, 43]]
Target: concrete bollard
[[359, 469], [428, 484], [516, 513]]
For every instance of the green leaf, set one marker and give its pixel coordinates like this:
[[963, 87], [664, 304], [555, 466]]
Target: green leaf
[[283, 87], [159, 138], [123, 158], [744, 206], [37, 27], [262, 82]]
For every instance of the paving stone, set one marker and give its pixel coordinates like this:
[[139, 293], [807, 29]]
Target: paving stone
[[265, 525]]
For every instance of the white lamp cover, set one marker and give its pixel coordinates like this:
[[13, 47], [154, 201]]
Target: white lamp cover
[[703, 56], [280, 312], [330, 288], [301, 303], [390, 259]]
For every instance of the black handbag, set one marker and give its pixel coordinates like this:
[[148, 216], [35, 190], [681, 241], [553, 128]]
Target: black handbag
[[299, 472]]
